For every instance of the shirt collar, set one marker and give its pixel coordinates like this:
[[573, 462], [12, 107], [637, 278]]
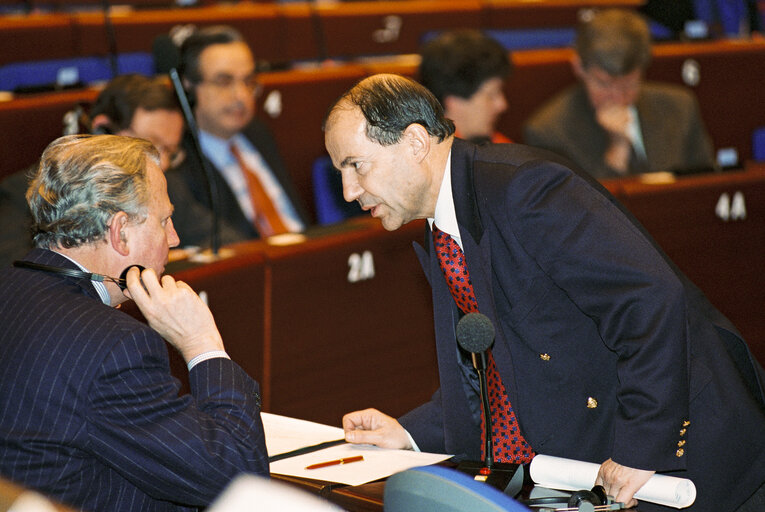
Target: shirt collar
[[445, 214], [218, 150], [100, 287]]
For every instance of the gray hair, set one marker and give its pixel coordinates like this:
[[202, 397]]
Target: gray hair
[[82, 181], [617, 41]]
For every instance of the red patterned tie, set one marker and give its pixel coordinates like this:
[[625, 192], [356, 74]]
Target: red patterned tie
[[509, 444]]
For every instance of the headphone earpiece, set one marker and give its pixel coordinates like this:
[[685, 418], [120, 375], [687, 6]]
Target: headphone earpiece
[[597, 496], [580, 501]]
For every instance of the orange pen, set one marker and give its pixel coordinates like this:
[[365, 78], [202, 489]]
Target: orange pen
[[337, 462]]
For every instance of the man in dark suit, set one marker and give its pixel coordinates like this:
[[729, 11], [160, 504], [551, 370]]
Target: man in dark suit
[[603, 352], [90, 414], [218, 69], [613, 123]]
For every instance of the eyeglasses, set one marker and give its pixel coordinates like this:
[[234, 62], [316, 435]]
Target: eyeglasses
[[228, 83]]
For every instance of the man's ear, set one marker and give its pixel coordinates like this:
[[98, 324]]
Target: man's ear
[[576, 66], [418, 139], [118, 237]]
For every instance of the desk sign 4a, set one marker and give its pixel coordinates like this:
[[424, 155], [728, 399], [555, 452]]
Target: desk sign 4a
[[731, 209]]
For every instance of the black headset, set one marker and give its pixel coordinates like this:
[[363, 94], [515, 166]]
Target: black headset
[[120, 281], [595, 500]]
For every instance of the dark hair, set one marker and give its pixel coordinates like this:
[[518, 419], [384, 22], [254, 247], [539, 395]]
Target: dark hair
[[195, 44], [615, 40], [390, 103], [457, 63], [127, 93]]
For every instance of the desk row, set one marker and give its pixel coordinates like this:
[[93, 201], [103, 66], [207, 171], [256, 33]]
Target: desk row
[[724, 76]]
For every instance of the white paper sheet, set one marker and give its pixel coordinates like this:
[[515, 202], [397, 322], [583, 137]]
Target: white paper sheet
[[284, 434], [573, 475], [378, 463]]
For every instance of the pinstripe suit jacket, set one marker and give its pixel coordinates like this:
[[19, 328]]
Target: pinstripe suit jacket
[[90, 415]]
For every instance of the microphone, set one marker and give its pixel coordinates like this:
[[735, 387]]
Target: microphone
[[167, 58], [475, 334]]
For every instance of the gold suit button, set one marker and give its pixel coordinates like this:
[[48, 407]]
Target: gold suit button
[[591, 403], [681, 443], [680, 452], [686, 423], [544, 357], [682, 431]]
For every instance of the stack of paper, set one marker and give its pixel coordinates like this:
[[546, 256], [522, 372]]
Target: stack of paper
[[289, 434]]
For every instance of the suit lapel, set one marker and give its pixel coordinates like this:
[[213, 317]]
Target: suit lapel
[[476, 243]]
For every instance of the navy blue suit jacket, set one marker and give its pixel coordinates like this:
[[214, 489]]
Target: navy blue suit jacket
[[90, 415], [585, 306]]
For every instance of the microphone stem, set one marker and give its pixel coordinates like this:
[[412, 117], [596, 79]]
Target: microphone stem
[[489, 444]]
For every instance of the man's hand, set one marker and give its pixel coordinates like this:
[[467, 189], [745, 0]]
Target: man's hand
[[370, 426], [177, 313], [615, 119], [622, 482]]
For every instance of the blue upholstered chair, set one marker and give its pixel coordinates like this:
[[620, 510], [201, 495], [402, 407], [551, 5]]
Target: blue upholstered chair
[[328, 194], [441, 489]]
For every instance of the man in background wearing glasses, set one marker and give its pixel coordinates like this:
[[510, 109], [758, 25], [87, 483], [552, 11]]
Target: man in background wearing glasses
[[255, 193], [614, 123]]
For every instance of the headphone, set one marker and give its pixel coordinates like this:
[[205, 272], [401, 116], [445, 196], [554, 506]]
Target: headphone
[[595, 500], [120, 281]]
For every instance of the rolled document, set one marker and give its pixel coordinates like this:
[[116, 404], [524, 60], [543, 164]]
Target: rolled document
[[573, 475]]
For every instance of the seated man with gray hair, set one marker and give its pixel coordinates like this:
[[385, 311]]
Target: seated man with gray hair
[[90, 414]]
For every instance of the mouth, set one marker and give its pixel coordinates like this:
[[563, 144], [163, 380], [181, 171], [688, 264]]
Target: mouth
[[370, 208]]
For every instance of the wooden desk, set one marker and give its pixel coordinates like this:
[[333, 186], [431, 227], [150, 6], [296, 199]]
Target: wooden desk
[[392, 27], [29, 124], [320, 332], [351, 325], [36, 37], [135, 31]]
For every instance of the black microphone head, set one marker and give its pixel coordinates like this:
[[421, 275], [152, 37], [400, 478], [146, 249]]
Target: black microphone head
[[475, 332], [122, 281], [165, 53]]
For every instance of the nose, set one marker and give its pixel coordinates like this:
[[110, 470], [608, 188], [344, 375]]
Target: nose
[[172, 236], [351, 188], [501, 103], [242, 91]]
